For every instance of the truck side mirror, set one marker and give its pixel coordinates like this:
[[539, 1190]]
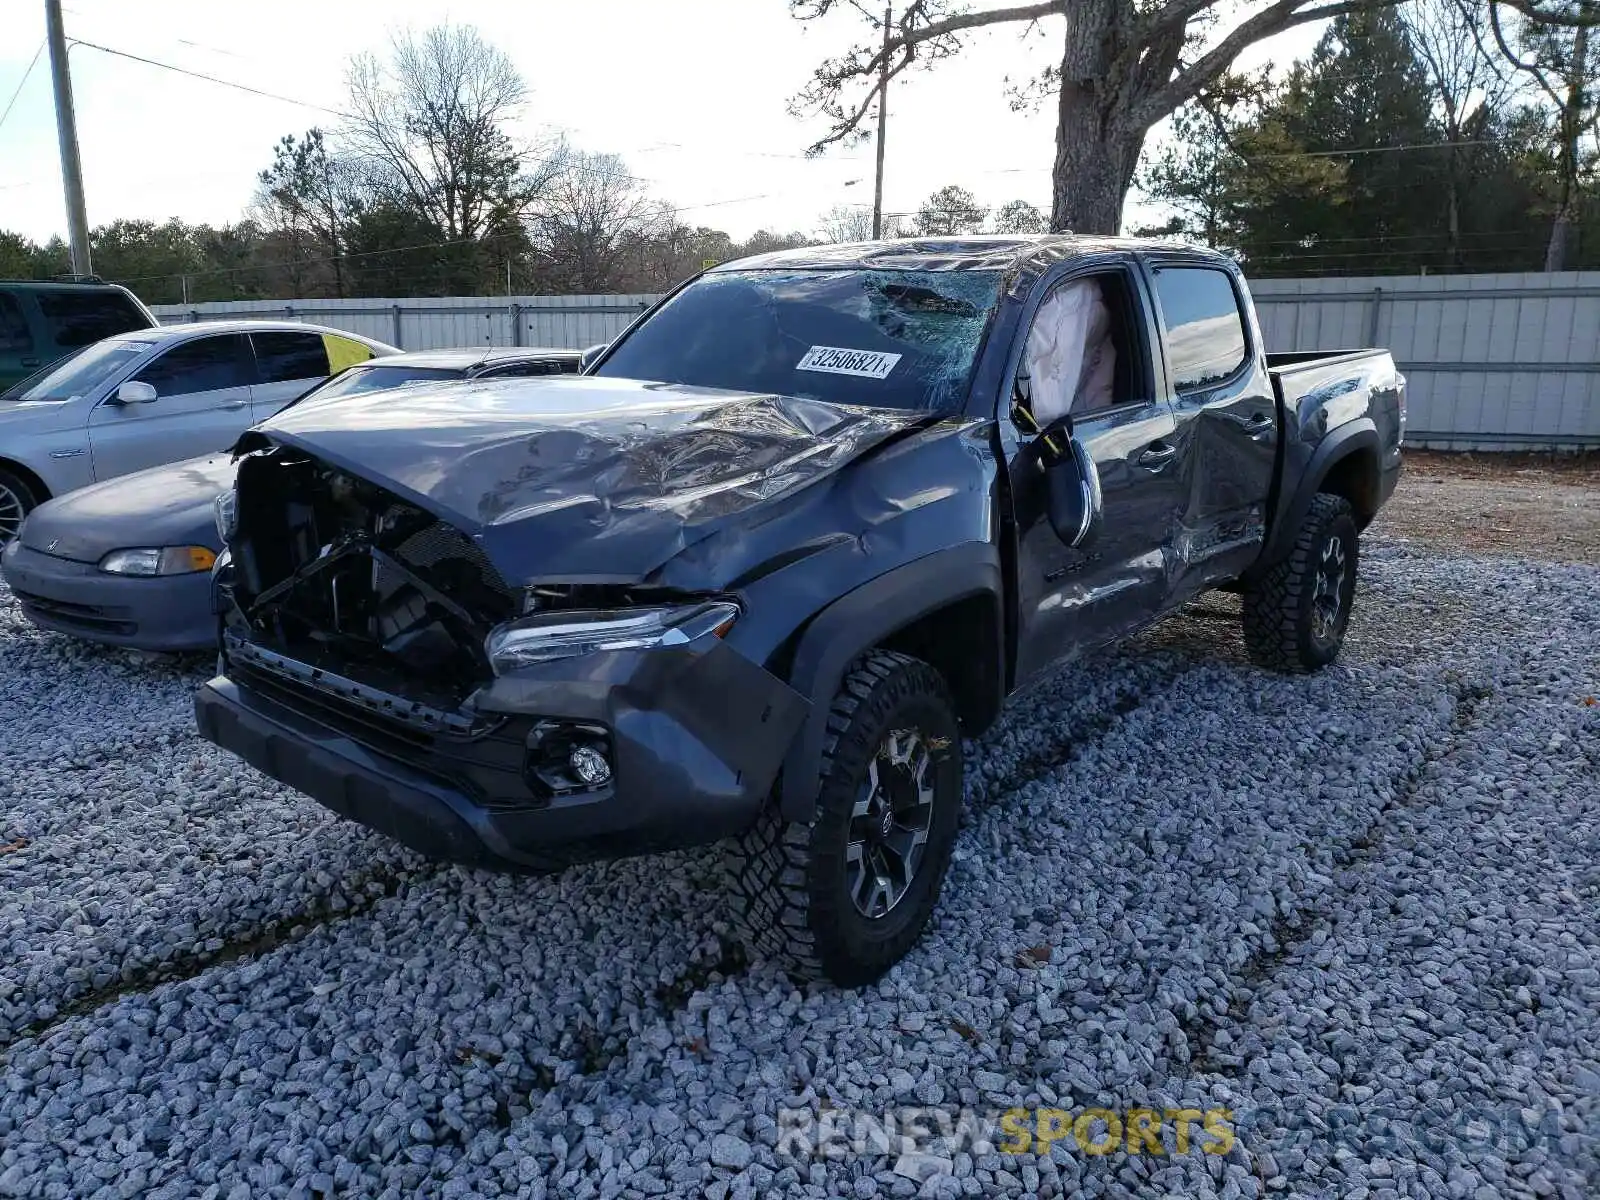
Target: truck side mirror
[[134, 392], [1072, 487], [589, 356]]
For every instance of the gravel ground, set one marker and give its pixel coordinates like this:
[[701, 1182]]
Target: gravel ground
[[1527, 505], [1357, 910]]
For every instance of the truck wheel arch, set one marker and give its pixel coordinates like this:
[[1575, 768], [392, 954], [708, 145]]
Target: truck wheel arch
[[900, 609], [1345, 463]]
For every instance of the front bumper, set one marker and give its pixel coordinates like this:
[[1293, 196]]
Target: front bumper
[[169, 613], [697, 734]]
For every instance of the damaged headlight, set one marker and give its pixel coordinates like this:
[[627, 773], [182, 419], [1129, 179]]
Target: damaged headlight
[[225, 510], [546, 636], [159, 560]]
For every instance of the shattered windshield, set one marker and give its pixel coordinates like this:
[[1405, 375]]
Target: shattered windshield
[[889, 339]]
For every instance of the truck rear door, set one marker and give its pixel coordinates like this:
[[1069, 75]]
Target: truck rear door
[[1227, 419]]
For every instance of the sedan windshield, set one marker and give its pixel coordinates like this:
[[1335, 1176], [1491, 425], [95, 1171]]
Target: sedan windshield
[[357, 380], [80, 372], [888, 339]]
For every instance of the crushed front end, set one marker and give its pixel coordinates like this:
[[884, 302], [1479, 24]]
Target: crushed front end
[[374, 658]]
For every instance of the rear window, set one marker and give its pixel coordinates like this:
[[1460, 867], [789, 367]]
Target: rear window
[[1205, 331], [357, 380], [76, 318], [285, 356], [14, 335]]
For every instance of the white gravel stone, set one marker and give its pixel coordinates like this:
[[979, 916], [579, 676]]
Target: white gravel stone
[[1357, 909]]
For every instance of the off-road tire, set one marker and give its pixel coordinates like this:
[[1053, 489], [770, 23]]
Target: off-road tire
[[788, 879], [17, 500], [1280, 626]]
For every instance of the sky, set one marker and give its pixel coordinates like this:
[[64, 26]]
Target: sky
[[693, 95]]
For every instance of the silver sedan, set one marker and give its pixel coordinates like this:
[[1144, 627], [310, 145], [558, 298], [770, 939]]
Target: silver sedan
[[128, 561], [155, 396]]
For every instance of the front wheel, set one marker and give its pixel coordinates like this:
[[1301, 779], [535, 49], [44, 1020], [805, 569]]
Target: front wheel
[[1296, 612], [846, 895], [16, 501]]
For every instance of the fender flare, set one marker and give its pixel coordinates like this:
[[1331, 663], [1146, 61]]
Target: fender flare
[[1353, 437], [861, 619]]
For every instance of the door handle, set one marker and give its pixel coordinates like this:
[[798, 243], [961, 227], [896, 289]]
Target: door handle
[[232, 406], [30, 362], [1158, 455]]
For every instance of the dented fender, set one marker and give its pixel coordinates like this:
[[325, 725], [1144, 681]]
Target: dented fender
[[865, 618]]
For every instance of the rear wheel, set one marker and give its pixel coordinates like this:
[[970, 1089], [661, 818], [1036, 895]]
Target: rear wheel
[[1296, 613], [846, 895], [17, 499]]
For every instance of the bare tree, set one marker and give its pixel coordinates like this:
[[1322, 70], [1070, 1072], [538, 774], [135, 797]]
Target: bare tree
[[431, 124], [594, 223], [1125, 65], [1469, 91], [853, 223]]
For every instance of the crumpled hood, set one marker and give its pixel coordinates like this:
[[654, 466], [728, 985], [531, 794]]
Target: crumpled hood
[[163, 506], [584, 478]]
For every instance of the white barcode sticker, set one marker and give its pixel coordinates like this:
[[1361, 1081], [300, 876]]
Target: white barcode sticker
[[836, 360]]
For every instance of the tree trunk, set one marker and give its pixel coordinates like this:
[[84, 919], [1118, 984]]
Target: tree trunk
[[1453, 206], [1555, 255], [1097, 150]]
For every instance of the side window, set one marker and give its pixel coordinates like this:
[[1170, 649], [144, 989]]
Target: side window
[[77, 318], [1205, 330], [14, 335], [344, 352], [281, 357], [1081, 355], [204, 364]]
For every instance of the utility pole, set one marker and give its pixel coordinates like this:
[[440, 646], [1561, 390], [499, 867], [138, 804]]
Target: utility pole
[[67, 131], [883, 101]]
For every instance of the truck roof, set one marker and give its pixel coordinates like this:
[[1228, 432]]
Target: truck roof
[[972, 252]]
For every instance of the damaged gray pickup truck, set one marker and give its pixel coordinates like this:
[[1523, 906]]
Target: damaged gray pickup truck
[[799, 530]]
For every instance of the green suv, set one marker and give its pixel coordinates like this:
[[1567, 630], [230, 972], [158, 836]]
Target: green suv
[[41, 321]]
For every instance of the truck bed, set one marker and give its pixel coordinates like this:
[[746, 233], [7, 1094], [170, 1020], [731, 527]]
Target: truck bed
[[1328, 399]]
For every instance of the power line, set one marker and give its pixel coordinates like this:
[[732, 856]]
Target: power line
[[719, 203], [32, 62], [1376, 149], [150, 62]]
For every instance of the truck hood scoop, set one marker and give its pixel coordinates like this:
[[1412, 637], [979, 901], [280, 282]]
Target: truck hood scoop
[[584, 479]]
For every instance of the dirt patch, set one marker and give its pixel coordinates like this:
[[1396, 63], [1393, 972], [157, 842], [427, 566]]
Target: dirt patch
[[1529, 505]]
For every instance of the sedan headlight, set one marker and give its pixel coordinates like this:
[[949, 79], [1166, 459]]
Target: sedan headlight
[[546, 636], [162, 560], [225, 510]]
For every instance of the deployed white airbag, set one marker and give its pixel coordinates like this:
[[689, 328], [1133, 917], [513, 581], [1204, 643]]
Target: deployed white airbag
[[1071, 360]]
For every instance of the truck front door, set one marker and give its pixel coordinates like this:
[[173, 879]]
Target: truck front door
[[1084, 355]]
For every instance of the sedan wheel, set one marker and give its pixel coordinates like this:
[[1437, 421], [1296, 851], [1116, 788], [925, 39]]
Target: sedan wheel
[[16, 501]]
